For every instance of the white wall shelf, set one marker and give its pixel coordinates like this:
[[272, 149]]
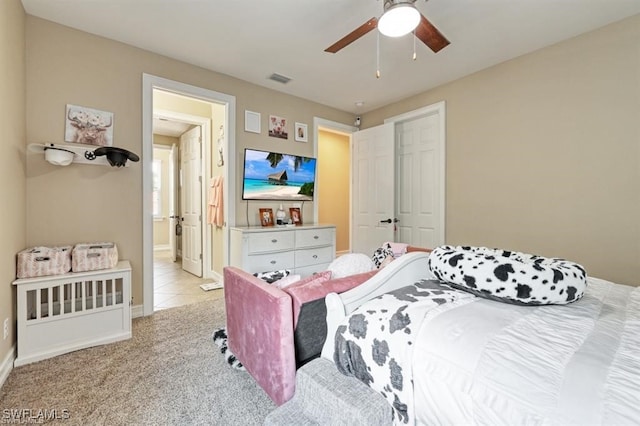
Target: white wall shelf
[[83, 154]]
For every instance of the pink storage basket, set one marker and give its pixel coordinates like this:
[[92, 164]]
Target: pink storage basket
[[42, 261], [94, 256]]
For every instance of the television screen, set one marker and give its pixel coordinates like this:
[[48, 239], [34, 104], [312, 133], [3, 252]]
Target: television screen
[[276, 176]]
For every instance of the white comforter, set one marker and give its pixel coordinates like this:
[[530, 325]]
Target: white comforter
[[480, 361], [492, 363]]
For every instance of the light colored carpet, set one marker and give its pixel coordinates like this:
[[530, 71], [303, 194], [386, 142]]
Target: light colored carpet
[[169, 373]]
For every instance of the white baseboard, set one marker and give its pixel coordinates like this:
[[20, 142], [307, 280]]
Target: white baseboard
[[215, 276], [137, 311], [7, 365]]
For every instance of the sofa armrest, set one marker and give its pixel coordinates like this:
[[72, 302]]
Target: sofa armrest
[[260, 330]]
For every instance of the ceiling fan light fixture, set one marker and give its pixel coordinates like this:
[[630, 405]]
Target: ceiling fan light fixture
[[399, 18]]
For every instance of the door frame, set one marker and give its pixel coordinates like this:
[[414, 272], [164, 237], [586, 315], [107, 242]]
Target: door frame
[[149, 83], [344, 129], [440, 109]]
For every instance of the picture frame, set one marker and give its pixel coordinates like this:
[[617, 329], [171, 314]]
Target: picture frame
[[301, 130], [266, 217], [295, 215], [252, 121], [88, 126], [278, 127]]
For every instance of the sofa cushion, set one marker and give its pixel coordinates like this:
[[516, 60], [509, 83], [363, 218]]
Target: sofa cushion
[[381, 254], [312, 284], [287, 281], [272, 276], [310, 330]]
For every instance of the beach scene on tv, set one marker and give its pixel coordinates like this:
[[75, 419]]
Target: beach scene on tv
[[275, 176]]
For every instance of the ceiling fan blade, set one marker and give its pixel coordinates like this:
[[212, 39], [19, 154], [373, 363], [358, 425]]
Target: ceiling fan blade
[[430, 35], [353, 35]]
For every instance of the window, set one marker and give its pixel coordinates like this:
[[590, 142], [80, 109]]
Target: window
[[157, 188]]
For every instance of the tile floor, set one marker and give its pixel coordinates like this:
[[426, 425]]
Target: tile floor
[[175, 287]]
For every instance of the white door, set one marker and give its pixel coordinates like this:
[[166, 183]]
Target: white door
[[418, 175], [173, 210], [191, 198], [373, 188]]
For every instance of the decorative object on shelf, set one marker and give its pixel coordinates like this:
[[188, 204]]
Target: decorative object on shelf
[[296, 216], [251, 121], [58, 156], [278, 127], [117, 157], [65, 154], [280, 215], [88, 126], [266, 217], [301, 132]]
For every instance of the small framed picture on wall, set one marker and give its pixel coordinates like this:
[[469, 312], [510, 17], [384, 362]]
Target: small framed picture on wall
[[296, 216], [266, 217], [301, 132]]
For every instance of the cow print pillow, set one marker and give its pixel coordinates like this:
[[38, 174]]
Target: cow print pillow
[[381, 254], [509, 276], [272, 276]]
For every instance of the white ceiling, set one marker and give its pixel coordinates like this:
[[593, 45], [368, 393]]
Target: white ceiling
[[252, 39], [163, 126]]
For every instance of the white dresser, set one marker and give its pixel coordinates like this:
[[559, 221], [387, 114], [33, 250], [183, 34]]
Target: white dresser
[[302, 249]]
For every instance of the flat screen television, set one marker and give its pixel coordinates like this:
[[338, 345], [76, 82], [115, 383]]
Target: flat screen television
[[277, 176]]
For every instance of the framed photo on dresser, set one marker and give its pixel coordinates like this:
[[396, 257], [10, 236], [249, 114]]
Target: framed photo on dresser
[[296, 216], [266, 217]]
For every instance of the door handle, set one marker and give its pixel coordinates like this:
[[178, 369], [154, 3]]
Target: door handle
[[386, 221], [396, 220]]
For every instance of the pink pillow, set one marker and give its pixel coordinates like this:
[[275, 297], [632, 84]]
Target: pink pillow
[[287, 281], [311, 280]]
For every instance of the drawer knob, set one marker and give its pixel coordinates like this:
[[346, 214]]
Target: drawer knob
[[315, 256], [315, 237], [273, 262], [274, 241]]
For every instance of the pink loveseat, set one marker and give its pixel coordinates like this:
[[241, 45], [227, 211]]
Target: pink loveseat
[[260, 325]]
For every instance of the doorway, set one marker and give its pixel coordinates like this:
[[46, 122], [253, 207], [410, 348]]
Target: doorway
[[333, 187], [215, 239], [397, 179]]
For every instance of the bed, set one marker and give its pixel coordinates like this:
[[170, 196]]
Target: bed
[[473, 360]]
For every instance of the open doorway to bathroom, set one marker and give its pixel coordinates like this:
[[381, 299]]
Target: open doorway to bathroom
[[184, 130]]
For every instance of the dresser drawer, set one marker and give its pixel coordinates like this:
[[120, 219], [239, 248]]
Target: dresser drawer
[[263, 242], [313, 256], [314, 237], [269, 262]]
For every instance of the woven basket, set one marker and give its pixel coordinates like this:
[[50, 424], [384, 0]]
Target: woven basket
[[94, 256], [42, 261]]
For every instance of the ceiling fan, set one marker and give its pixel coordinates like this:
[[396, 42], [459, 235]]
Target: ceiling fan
[[403, 13]]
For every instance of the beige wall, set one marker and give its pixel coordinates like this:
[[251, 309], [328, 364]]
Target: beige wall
[[334, 164], [12, 161], [93, 203], [543, 152]]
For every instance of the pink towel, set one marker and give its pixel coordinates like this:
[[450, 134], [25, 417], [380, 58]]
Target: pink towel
[[214, 209]]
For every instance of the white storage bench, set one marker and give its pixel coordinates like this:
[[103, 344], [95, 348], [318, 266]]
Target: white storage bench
[[63, 313]]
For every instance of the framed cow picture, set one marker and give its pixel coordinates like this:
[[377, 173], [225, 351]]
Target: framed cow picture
[[88, 126]]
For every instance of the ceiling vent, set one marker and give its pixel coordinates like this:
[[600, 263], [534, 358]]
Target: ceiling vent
[[279, 78]]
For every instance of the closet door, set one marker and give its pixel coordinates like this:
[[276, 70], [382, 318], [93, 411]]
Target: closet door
[[419, 175], [373, 188]]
